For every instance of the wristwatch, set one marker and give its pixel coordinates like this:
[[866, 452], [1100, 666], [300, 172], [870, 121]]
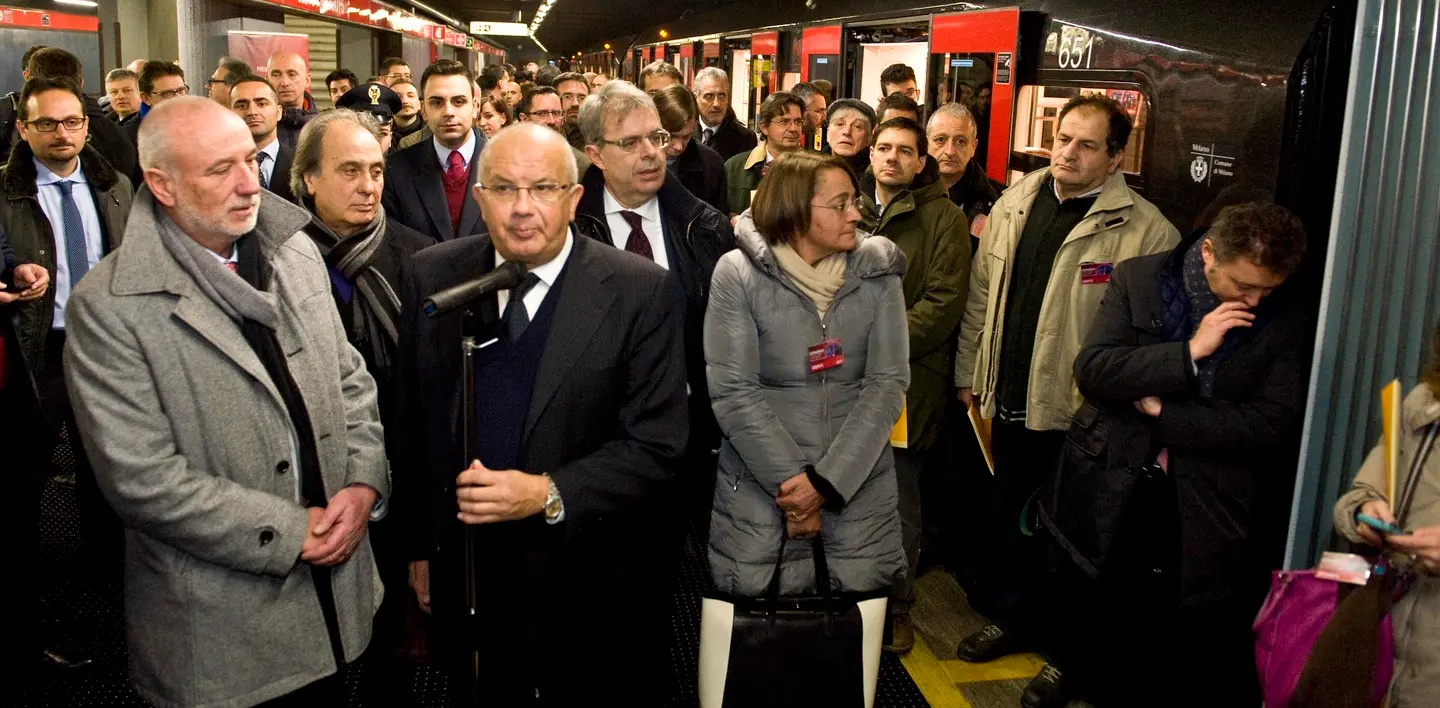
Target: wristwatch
[[554, 507]]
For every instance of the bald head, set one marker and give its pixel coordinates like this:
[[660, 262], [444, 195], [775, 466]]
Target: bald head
[[136, 66], [206, 180], [528, 192], [290, 75]]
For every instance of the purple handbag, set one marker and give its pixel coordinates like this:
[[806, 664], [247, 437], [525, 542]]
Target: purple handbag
[[1297, 610]]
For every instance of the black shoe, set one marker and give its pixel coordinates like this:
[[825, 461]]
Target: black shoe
[[1046, 690], [988, 644], [55, 660]]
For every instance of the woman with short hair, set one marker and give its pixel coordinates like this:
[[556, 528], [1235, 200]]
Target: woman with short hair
[[807, 358]]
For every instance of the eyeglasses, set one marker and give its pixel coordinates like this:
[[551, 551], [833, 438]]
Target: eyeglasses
[[911, 93], [48, 125], [841, 208], [550, 115], [657, 139], [543, 193], [788, 122], [172, 93]]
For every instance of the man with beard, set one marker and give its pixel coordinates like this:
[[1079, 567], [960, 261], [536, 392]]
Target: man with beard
[[232, 427], [407, 119], [782, 122], [901, 200], [579, 435], [427, 184], [290, 75], [63, 208], [253, 99], [719, 129], [849, 123], [573, 88], [105, 136]]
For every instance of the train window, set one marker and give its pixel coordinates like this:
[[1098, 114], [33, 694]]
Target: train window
[[1037, 115], [965, 79], [875, 58], [740, 85]]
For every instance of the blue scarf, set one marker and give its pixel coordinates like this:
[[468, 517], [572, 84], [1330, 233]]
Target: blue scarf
[[1202, 302]]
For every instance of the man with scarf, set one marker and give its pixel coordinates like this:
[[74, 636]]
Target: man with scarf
[[339, 169], [1172, 501], [233, 428]]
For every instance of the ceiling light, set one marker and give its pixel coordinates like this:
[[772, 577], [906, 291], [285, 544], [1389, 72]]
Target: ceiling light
[[365, 12], [380, 14], [79, 3]]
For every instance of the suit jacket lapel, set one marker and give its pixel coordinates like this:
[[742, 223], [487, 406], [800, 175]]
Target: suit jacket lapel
[[430, 190], [217, 328], [470, 209], [583, 302]]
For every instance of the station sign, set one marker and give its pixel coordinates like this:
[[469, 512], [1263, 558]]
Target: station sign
[[501, 29]]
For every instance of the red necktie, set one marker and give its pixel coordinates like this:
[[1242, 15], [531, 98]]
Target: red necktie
[[455, 176], [233, 266], [638, 243]]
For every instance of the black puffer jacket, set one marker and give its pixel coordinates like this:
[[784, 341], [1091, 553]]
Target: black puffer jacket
[[697, 235]]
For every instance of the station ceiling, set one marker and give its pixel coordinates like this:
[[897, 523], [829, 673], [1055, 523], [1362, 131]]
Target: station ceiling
[[575, 25]]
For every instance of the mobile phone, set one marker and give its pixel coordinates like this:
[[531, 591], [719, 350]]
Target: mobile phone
[[1381, 526]]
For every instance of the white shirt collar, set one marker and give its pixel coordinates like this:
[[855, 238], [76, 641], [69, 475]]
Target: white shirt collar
[[43, 175], [549, 272], [467, 151], [273, 149], [649, 211], [706, 126], [234, 256], [1060, 198]]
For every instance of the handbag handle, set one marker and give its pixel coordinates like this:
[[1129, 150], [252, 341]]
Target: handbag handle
[[822, 569], [1407, 493]]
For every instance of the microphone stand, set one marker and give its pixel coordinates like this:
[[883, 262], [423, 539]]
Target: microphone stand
[[469, 450]]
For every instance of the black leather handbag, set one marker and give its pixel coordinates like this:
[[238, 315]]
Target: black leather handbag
[[792, 651]]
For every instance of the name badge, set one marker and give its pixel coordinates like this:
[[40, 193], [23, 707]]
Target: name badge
[[1095, 273], [826, 355]]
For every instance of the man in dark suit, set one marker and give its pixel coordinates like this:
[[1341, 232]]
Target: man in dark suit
[[699, 168], [427, 185], [581, 425], [719, 129], [633, 203], [255, 101]]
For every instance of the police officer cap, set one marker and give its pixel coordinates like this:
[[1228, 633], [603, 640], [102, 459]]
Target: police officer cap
[[377, 99]]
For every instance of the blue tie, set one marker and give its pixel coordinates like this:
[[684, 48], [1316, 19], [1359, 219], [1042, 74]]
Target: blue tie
[[77, 258]]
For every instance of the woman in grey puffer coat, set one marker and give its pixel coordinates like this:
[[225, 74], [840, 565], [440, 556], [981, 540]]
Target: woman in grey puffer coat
[[806, 451]]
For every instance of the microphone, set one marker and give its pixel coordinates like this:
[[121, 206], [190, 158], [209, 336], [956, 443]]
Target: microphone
[[504, 277]]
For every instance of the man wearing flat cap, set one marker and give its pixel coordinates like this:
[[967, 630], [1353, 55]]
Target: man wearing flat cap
[[377, 100]]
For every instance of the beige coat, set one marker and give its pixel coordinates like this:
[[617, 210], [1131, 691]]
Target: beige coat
[[1120, 225], [1417, 616]]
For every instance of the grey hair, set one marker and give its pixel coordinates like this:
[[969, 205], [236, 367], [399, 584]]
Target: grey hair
[[312, 137], [537, 134], [710, 73], [804, 90], [616, 99], [953, 110]]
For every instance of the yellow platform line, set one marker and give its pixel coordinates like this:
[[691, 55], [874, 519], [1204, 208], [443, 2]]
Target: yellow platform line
[[929, 674], [940, 680]]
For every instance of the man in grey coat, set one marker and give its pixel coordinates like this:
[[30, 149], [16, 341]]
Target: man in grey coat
[[231, 426]]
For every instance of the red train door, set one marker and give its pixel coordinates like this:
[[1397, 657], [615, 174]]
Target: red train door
[[764, 69], [972, 61]]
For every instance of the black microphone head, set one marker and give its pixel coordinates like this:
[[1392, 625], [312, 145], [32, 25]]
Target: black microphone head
[[513, 273]]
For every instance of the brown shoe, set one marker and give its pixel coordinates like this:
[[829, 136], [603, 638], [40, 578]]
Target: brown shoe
[[902, 635]]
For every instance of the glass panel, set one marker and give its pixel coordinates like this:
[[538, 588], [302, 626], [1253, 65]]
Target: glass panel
[[965, 79], [740, 85], [1037, 115]]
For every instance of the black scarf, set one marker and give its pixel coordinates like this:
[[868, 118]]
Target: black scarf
[[372, 324], [256, 271], [1203, 302]]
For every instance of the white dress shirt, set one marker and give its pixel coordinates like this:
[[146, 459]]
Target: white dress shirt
[[547, 274], [50, 203], [467, 151], [649, 221], [267, 166]]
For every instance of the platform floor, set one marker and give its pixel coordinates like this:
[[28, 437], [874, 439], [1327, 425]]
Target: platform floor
[[90, 622]]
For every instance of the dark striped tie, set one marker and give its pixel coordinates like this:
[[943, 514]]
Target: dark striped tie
[[260, 159], [517, 317], [77, 254]]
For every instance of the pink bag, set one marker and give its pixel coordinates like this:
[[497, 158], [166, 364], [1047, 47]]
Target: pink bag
[[1288, 627]]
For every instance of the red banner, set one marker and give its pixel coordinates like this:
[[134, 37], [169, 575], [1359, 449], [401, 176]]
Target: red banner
[[255, 48], [38, 19]]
